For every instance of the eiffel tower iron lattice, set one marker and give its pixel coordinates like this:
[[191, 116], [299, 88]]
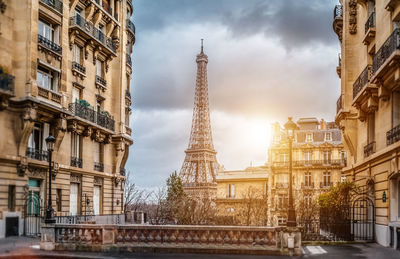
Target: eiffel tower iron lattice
[[200, 166]]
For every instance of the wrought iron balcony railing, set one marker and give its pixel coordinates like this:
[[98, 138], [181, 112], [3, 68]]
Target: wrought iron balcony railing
[[122, 171], [76, 162], [49, 44], [55, 4], [88, 28], [37, 154], [338, 12], [325, 184], [129, 60], [6, 82], [300, 163], [393, 135], [361, 81], [130, 26], [105, 121], [387, 49], [309, 185], [101, 81], [370, 22], [78, 67], [369, 149], [80, 110], [99, 166], [339, 104]]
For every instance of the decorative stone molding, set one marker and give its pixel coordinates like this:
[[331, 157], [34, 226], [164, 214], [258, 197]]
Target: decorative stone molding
[[25, 127], [353, 16], [108, 139], [59, 132], [3, 103], [3, 6], [117, 180], [55, 169], [98, 136], [75, 178], [98, 181], [88, 131], [22, 166], [36, 172]]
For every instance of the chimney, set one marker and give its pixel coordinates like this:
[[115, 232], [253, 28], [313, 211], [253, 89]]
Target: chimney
[[323, 124]]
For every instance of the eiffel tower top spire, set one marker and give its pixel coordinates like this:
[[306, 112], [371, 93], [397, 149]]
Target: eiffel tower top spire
[[200, 166]]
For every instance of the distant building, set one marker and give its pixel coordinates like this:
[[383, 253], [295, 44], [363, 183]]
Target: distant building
[[65, 70], [242, 195], [318, 158]]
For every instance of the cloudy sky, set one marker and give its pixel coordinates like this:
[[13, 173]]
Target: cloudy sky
[[268, 59]]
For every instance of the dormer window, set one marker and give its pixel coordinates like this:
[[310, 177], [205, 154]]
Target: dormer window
[[328, 136], [309, 137]]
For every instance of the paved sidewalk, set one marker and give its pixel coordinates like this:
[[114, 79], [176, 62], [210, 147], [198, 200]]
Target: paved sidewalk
[[25, 247]]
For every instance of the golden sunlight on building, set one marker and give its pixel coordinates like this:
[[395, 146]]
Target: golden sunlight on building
[[65, 69]]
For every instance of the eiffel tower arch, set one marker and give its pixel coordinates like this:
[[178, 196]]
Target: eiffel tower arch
[[200, 166]]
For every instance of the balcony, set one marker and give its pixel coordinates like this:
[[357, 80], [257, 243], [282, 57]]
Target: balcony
[[383, 62], [83, 110], [338, 21], [79, 68], [325, 185], [48, 44], [128, 60], [54, 4], [99, 166], [49, 95], [393, 135], [76, 162], [361, 81], [339, 104], [130, 26], [370, 29], [122, 171], [6, 83], [90, 32], [37, 154], [369, 149], [307, 185], [339, 67], [101, 82]]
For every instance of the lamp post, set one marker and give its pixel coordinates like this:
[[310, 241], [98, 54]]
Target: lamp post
[[50, 140], [290, 127]]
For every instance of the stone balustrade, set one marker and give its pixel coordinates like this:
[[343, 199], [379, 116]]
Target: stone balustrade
[[176, 238]]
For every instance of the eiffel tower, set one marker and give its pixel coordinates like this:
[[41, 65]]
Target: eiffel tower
[[200, 166]]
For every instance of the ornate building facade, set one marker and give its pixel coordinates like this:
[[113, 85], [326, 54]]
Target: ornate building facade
[[65, 69], [368, 107], [200, 166], [242, 195], [318, 158]]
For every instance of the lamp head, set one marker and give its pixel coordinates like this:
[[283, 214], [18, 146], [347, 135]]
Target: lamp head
[[50, 140], [290, 127]]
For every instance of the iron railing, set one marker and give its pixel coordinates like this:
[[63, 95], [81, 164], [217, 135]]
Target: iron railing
[[369, 149], [391, 44], [37, 154], [89, 29], [325, 184], [49, 44], [361, 81], [85, 112], [339, 104], [78, 67], [105, 121], [338, 12], [76, 162], [55, 4], [299, 163], [309, 185], [370, 22], [101, 81], [122, 171], [6, 82], [99, 166], [129, 60], [393, 135], [130, 26]]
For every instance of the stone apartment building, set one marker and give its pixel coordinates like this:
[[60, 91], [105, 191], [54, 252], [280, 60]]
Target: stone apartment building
[[242, 195], [369, 104], [318, 158], [65, 69]]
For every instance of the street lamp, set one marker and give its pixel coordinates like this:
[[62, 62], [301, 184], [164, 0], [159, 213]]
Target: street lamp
[[291, 127], [50, 140]]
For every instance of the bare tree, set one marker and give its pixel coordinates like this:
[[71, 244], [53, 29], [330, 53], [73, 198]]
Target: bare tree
[[134, 198], [253, 207]]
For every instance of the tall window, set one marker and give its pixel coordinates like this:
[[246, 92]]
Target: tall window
[[96, 199], [396, 108], [328, 136], [98, 152], [342, 178], [59, 200], [11, 197], [309, 137], [127, 113], [77, 54], [308, 156], [37, 139], [99, 68], [326, 179], [284, 157], [282, 201], [327, 157], [371, 127], [73, 198], [343, 156], [231, 190], [47, 79], [33, 200], [307, 179], [307, 201], [46, 30], [76, 145], [76, 94]]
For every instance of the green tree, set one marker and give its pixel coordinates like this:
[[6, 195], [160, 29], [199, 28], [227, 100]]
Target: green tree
[[176, 197]]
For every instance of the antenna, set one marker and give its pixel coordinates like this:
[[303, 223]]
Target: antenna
[[202, 45]]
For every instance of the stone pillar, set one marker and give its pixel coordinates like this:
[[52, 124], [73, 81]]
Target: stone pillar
[[290, 241], [48, 238]]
